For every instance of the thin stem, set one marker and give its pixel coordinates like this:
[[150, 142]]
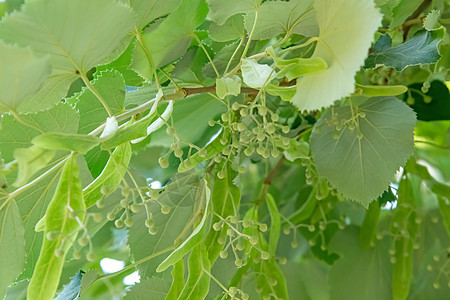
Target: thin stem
[[309, 41], [25, 122], [96, 93], [234, 54], [148, 55], [250, 36], [207, 54], [130, 266], [42, 176]]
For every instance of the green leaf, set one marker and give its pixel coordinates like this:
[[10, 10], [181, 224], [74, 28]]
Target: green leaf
[[222, 58], [30, 161], [403, 10], [232, 29], [181, 196], [195, 237], [68, 199], [226, 197], [14, 135], [220, 11], [72, 290], [66, 141], [287, 18], [149, 10], [420, 49], [197, 284], [60, 30], [12, 244], [156, 288], [170, 39], [110, 177], [359, 156], [177, 281], [228, 86], [256, 75], [337, 20], [380, 90], [22, 75], [275, 224], [111, 85], [359, 274]]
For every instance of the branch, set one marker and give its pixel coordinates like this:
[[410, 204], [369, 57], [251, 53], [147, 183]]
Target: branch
[[210, 89]]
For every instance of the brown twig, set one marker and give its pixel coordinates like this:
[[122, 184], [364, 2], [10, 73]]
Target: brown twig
[[211, 89], [270, 177], [413, 19]]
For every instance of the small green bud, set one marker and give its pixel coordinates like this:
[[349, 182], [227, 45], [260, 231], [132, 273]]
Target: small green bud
[[152, 230], [265, 255], [100, 203], [83, 241], [165, 209], [221, 174], [262, 110], [118, 223], [263, 227], [249, 151], [202, 153], [59, 252], [225, 117], [170, 130], [238, 262], [241, 127], [149, 223], [178, 153], [223, 254], [235, 106], [76, 255], [105, 190], [110, 216], [125, 191], [163, 162], [98, 217], [285, 129], [211, 123], [253, 240], [217, 226], [135, 208], [90, 256], [128, 222], [243, 112]]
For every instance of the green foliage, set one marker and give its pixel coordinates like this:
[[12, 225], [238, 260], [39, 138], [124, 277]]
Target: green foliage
[[239, 149]]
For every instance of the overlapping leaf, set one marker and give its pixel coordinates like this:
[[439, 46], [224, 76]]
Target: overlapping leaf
[[77, 35], [22, 75]]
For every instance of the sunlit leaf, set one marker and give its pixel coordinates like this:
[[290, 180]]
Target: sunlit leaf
[[72, 290], [337, 20], [220, 11], [30, 161]]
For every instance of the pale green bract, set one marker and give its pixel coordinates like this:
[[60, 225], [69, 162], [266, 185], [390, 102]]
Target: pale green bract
[[346, 32], [360, 162], [228, 86], [256, 75], [22, 75]]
